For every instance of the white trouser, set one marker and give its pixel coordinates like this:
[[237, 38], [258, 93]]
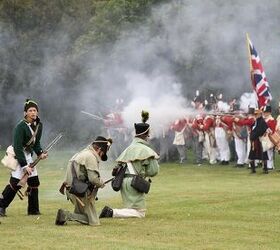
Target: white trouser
[[240, 148], [18, 173], [222, 143], [211, 151], [128, 212], [270, 162], [204, 151], [248, 149]]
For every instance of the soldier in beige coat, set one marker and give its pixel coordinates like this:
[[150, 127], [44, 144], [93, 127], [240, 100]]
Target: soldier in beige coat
[[85, 165]]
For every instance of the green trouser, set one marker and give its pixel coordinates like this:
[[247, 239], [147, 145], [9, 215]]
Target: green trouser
[[82, 218], [84, 214]]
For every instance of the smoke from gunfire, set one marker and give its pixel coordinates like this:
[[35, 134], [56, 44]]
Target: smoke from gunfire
[[164, 109], [157, 65], [208, 38]]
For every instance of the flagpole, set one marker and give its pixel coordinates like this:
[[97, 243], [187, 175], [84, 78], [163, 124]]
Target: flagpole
[[249, 53]]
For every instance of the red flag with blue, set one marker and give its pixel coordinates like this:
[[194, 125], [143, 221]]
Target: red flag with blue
[[259, 81]]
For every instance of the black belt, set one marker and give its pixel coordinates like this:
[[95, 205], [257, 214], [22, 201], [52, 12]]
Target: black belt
[[129, 175]]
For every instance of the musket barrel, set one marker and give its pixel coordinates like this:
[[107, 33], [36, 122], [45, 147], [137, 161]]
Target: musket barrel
[[24, 178]]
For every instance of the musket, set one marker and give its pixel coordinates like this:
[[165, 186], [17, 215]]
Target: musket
[[227, 113], [20, 194], [109, 180], [96, 117], [96, 198], [24, 178], [105, 182], [64, 185]]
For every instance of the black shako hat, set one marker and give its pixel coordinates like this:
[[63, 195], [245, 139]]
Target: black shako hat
[[30, 104], [143, 127], [235, 107], [251, 111], [198, 98], [267, 109], [104, 144]]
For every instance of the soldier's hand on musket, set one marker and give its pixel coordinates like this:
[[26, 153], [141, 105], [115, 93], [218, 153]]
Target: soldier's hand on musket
[[102, 184], [236, 119], [27, 169], [44, 155], [269, 131]]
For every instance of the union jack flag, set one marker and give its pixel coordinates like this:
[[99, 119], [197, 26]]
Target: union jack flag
[[259, 82]]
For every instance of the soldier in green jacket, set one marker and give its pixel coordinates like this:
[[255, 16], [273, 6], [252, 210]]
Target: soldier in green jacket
[[141, 159], [85, 165], [26, 140]]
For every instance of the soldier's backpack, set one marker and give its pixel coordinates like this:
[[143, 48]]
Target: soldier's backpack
[[78, 187], [118, 172], [9, 161]]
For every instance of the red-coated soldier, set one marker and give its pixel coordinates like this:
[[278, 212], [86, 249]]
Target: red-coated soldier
[[247, 122], [271, 123], [208, 128], [198, 138], [222, 131], [179, 127]]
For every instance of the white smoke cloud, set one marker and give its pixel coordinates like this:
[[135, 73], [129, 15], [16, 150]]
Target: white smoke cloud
[[223, 106], [164, 106], [207, 37], [248, 100], [183, 46]]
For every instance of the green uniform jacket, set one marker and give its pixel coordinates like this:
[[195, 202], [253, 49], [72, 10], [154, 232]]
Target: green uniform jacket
[[22, 135], [144, 160]]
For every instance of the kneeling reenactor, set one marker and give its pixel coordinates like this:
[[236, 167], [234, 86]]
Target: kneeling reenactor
[[84, 166], [141, 161]]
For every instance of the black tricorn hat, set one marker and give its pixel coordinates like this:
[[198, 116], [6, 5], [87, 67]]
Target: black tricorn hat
[[267, 109], [143, 127], [104, 144]]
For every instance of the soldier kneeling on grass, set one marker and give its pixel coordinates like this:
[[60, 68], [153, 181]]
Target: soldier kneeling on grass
[[141, 161], [84, 168]]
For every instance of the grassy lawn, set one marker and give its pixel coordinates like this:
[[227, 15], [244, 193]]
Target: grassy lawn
[[189, 207]]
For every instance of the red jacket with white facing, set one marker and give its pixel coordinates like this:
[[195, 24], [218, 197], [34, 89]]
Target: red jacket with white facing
[[271, 123], [246, 121], [179, 125], [227, 122], [197, 124], [208, 123]]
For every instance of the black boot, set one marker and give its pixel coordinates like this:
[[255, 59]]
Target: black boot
[[33, 201], [61, 217], [2, 212], [253, 167], [106, 212], [265, 170], [8, 195]]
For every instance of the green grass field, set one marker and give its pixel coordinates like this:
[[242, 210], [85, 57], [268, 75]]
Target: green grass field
[[188, 207]]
